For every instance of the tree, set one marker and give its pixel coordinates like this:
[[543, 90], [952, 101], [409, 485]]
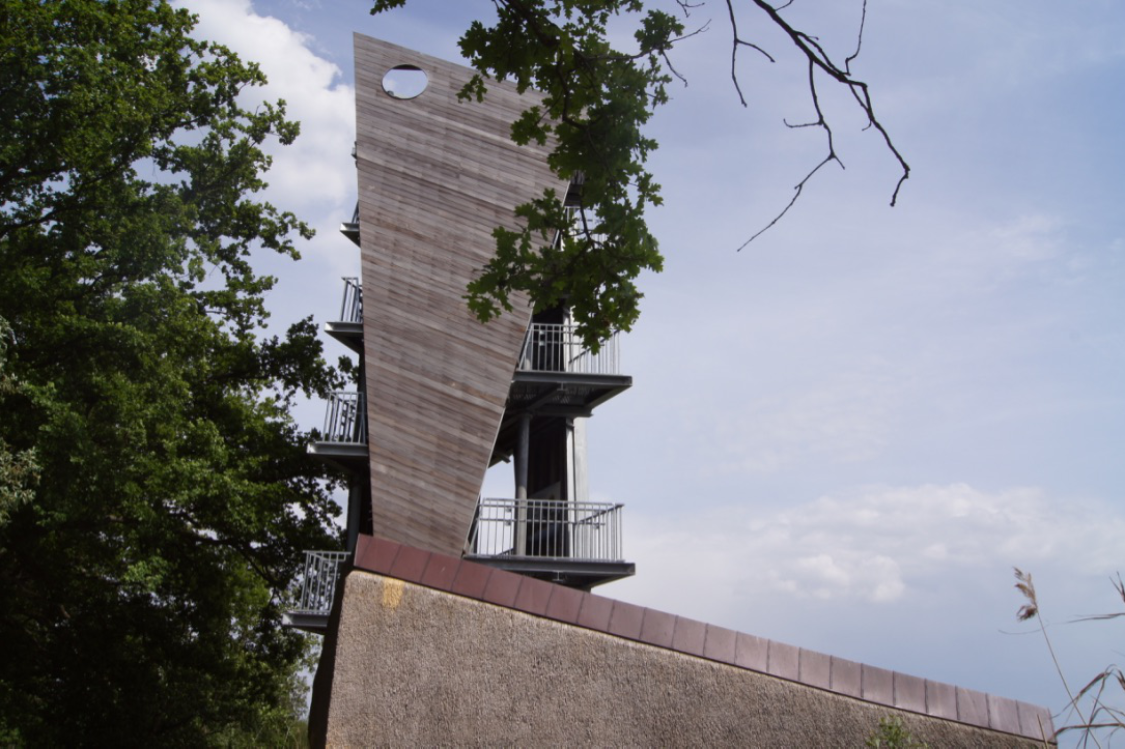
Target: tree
[[597, 101], [18, 470], [155, 492]]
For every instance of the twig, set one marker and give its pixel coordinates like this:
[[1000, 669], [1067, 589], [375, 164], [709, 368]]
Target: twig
[[818, 59], [820, 122], [736, 42], [858, 40]]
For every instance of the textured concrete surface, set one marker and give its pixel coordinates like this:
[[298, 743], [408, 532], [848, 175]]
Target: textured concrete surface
[[414, 666]]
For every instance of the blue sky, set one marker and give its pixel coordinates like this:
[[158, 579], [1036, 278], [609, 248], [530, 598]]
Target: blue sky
[[847, 434]]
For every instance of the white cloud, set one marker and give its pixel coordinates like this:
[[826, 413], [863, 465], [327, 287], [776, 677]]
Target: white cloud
[[843, 418], [1002, 250], [314, 177], [871, 546]]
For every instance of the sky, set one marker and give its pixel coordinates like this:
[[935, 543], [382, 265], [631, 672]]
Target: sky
[[847, 434]]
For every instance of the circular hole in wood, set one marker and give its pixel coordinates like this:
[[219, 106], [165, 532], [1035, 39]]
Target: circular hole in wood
[[404, 81]]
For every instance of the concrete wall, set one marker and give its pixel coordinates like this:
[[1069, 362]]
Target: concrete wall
[[408, 665]]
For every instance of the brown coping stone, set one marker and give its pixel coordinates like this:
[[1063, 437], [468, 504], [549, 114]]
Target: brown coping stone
[[941, 700], [625, 621], [784, 660], [1035, 721], [501, 589], [565, 604], [534, 595], [910, 693], [409, 564], [718, 645], [847, 677], [815, 669], [362, 545], [657, 628], [1003, 714], [972, 707], [751, 652], [440, 572], [595, 612], [377, 555], [470, 580], [878, 685], [689, 636]]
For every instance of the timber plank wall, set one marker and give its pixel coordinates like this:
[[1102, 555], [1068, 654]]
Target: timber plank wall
[[436, 176]]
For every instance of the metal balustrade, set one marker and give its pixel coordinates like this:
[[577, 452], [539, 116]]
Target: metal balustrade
[[550, 347], [345, 419], [318, 582], [550, 528], [351, 230], [351, 310]]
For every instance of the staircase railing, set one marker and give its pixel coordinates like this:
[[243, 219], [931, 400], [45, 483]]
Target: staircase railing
[[318, 582], [550, 347], [351, 309], [345, 419], [577, 531]]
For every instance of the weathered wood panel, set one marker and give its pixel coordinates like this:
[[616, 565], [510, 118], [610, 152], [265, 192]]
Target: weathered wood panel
[[435, 177]]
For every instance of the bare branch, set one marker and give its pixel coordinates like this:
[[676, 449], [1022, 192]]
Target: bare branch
[[820, 122], [858, 40], [796, 194], [735, 44], [668, 62], [662, 50], [818, 60]]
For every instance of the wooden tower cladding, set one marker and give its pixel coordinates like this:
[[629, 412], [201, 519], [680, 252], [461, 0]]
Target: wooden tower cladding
[[436, 176]]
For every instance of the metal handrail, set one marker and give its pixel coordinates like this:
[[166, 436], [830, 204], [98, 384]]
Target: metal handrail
[[345, 419], [552, 347], [553, 528], [318, 582], [351, 309], [351, 229]]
